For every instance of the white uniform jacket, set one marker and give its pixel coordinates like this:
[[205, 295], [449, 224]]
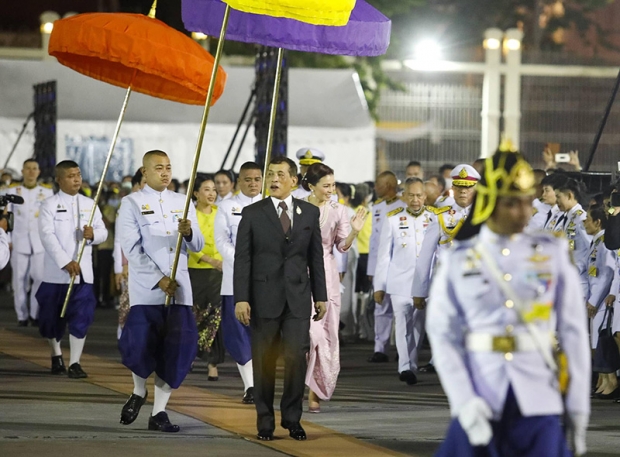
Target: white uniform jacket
[[399, 248], [466, 299], [226, 224], [149, 222], [26, 227], [5, 252], [378, 212], [578, 238], [438, 238], [555, 219], [539, 218], [61, 221], [600, 269]]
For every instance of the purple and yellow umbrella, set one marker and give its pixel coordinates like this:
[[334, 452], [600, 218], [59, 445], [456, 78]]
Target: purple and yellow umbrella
[[343, 27]]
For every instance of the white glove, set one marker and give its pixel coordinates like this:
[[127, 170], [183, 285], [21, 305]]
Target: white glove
[[474, 417], [578, 424]]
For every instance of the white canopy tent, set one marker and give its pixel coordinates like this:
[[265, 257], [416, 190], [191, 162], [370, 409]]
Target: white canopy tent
[[327, 110]]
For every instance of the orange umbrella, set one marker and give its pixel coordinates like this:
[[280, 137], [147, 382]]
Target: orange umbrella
[[140, 53]]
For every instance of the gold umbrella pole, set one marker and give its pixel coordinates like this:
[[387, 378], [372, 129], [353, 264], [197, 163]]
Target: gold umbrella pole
[[98, 194], [272, 119], [201, 134]]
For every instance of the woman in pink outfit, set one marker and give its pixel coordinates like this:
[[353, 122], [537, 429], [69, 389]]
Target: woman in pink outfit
[[337, 232]]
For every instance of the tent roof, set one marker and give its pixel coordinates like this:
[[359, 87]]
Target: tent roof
[[317, 97]]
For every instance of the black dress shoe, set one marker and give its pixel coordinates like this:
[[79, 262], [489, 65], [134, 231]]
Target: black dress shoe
[[428, 368], [295, 431], [378, 357], [248, 397], [610, 396], [58, 365], [409, 377], [22, 323], [212, 378], [161, 423], [33, 322], [265, 436], [131, 408], [76, 372]]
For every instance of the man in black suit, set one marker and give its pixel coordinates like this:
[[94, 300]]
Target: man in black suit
[[278, 271]]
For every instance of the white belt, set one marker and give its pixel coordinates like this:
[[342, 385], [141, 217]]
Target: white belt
[[486, 342]]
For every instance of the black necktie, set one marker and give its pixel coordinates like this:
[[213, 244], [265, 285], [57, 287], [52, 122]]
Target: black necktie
[[284, 219]]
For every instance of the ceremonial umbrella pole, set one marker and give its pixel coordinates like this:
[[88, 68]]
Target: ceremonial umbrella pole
[[331, 27], [293, 19], [139, 53]]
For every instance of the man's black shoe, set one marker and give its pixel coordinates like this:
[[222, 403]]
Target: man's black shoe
[[429, 368], [409, 377], [22, 323], [76, 372], [378, 357], [33, 322], [131, 409], [265, 436], [295, 431], [248, 397], [161, 423], [58, 365]]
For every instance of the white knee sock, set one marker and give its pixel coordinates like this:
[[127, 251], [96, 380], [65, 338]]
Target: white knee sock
[[54, 347], [162, 395], [77, 346], [139, 385], [247, 375]]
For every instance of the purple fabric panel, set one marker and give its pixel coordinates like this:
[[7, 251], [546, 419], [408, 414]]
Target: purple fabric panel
[[366, 34]]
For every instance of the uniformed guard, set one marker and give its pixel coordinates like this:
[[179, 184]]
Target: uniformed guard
[[62, 226], [386, 188], [400, 243], [306, 157], [498, 298], [157, 338], [237, 337], [28, 252], [555, 217], [568, 194]]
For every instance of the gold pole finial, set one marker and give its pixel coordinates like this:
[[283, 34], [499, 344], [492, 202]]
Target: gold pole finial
[[153, 9]]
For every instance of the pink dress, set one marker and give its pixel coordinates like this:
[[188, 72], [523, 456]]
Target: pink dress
[[324, 355]]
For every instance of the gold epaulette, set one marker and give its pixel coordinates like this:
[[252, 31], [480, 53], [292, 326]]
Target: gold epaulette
[[434, 210], [14, 184], [391, 200], [377, 201], [579, 212], [396, 211], [46, 185]]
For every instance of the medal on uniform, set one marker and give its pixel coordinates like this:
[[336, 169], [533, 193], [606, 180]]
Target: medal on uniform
[[298, 210], [404, 245], [593, 271]]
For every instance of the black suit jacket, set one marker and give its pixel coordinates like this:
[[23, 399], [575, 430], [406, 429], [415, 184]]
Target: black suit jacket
[[272, 269]]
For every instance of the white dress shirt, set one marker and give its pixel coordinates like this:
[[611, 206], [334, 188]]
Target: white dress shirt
[[289, 207]]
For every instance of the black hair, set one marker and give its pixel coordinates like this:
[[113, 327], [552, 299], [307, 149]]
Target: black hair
[[228, 173], [250, 166], [345, 189], [555, 180], [362, 190], [315, 173], [414, 163], [598, 213], [572, 185], [65, 165], [28, 161], [598, 200], [440, 180], [200, 179], [292, 166], [137, 178], [446, 166], [153, 152], [176, 184]]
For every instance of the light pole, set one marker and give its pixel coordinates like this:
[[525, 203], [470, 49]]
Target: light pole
[[512, 87], [491, 87], [47, 20]]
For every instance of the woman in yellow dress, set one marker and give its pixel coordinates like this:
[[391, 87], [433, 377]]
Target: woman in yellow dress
[[205, 272]]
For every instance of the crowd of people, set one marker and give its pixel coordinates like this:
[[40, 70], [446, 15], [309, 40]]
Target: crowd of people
[[366, 257]]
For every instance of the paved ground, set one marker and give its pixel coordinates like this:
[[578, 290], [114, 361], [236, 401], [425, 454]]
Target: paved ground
[[372, 412]]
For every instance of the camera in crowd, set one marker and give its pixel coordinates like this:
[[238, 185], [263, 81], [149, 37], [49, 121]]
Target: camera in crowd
[[9, 216]]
